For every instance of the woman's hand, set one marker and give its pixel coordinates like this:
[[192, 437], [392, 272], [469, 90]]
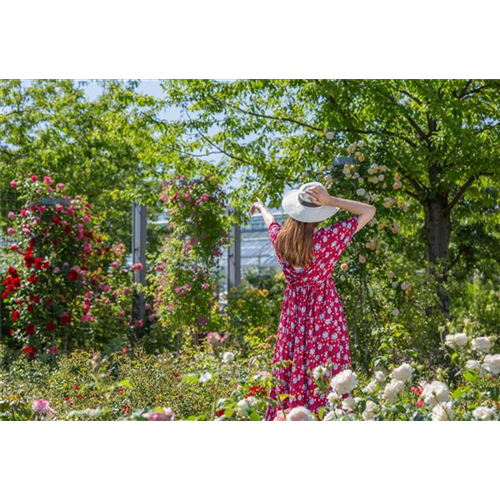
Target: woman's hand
[[258, 205], [266, 214], [320, 195]]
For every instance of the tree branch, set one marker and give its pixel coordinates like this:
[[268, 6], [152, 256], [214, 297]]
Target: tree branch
[[463, 189]]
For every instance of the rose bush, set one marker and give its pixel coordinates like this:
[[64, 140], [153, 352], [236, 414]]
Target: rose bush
[[68, 287], [186, 286]]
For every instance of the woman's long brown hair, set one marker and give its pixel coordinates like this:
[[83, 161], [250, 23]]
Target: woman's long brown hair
[[294, 242]]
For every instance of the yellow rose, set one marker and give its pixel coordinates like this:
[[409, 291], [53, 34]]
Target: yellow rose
[[233, 289], [264, 293]]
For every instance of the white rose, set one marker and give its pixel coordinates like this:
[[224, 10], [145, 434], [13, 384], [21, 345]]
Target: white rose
[[392, 390], [335, 414], [492, 363], [344, 382], [361, 191], [319, 372], [483, 413], [228, 357], [473, 365], [349, 403], [205, 377], [403, 372], [395, 312], [461, 339], [299, 414], [442, 412], [436, 392], [330, 136], [482, 344], [370, 410], [371, 388], [252, 400], [381, 177], [243, 407], [361, 144], [457, 340], [333, 397], [379, 376]]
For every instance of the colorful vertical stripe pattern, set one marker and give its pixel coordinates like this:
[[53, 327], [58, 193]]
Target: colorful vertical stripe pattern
[[138, 459]]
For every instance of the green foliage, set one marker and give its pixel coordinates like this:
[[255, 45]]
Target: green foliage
[[253, 309], [185, 290]]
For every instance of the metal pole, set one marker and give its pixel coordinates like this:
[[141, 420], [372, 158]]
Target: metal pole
[[234, 258], [139, 235]]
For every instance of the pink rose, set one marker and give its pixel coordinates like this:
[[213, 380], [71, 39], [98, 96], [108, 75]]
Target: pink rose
[[167, 415], [11, 231], [48, 180], [11, 215], [41, 406], [13, 184], [137, 267]]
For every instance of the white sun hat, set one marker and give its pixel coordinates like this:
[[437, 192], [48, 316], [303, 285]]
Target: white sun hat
[[300, 205]]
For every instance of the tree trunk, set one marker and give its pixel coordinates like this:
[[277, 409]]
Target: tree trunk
[[437, 230]]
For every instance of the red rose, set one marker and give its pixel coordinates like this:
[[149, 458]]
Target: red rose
[[29, 351], [15, 315], [30, 308], [33, 279], [34, 298], [177, 375], [65, 318], [72, 275], [28, 260], [38, 262], [30, 329], [126, 409], [12, 272], [51, 327], [67, 229]]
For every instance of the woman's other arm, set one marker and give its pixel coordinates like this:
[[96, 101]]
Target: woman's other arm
[[264, 211], [364, 211]]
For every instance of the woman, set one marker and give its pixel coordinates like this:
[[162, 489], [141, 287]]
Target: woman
[[312, 329]]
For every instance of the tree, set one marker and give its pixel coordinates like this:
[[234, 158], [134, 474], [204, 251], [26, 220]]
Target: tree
[[442, 136], [105, 148]]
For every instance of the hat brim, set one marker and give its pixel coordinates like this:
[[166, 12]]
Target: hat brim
[[293, 207]]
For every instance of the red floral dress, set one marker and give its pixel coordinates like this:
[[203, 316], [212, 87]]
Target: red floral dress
[[312, 329]]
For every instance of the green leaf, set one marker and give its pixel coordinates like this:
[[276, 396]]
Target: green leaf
[[470, 376]]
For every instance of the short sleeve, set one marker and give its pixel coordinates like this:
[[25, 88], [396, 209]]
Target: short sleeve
[[340, 235], [274, 229]]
